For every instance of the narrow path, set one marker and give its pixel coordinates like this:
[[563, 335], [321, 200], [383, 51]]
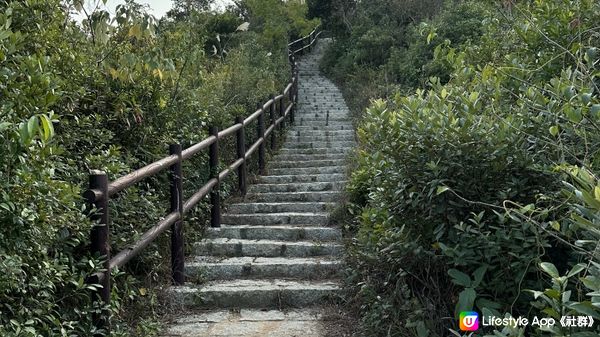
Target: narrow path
[[276, 259]]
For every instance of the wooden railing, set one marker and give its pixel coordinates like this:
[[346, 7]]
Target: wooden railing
[[300, 46], [101, 190]]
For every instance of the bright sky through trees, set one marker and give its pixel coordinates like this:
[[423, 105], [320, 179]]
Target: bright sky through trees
[[157, 7]]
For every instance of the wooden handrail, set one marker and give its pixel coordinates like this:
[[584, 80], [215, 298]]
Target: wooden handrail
[[278, 108]]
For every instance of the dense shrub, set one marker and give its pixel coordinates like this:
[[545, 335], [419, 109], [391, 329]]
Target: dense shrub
[[111, 93], [482, 193], [392, 44], [458, 24]]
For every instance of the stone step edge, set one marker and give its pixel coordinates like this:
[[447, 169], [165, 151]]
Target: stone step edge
[[252, 293]]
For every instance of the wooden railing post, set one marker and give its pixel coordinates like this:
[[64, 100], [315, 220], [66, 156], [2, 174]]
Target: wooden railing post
[[295, 96], [241, 153], [261, 147], [176, 189], [272, 116], [215, 198], [281, 112], [291, 98], [100, 239]]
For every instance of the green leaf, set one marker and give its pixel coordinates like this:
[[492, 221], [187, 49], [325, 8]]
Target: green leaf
[[574, 115], [431, 36], [584, 334], [4, 126], [243, 27], [442, 189], [32, 125], [478, 275], [488, 304], [47, 127], [566, 296], [586, 98], [549, 269], [466, 298], [460, 278], [135, 31], [422, 330], [595, 110], [584, 309], [552, 293], [24, 134], [551, 312], [578, 268], [554, 130], [473, 96]]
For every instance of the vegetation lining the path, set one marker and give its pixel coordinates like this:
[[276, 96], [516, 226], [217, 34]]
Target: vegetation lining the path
[[477, 183], [108, 94]]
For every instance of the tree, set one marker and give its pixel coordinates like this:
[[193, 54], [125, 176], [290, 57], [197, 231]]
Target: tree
[[182, 8]]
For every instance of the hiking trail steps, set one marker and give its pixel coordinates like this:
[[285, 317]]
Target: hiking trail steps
[[276, 259]]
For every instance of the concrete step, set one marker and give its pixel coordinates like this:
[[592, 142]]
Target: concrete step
[[320, 138], [266, 248], [307, 157], [279, 207], [318, 97], [283, 218], [312, 151], [306, 163], [316, 115], [312, 91], [321, 132], [209, 268], [279, 233], [343, 125], [331, 96], [312, 145], [331, 119], [249, 322], [323, 97], [327, 196], [254, 294], [309, 112], [282, 179], [308, 170], [317, 85], [323, 127], [323, 102], [297, 187]]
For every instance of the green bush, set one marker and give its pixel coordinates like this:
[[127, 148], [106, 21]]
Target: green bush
[[484, 188], [458, 24], [420, 147], [393, 44], [111, 93]]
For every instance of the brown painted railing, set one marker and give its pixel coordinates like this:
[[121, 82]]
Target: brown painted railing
[[101, 190], [303, 44]]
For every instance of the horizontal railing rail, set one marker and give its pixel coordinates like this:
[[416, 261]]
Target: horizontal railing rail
[[303, 44], [279, 109]]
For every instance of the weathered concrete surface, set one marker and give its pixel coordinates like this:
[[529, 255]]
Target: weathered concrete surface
[[255, 293], [247, 267], [276, 249], [277, 233], [266, 248], [250, 323]]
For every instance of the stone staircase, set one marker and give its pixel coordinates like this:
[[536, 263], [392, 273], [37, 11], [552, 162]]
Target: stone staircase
[[276, 258]]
